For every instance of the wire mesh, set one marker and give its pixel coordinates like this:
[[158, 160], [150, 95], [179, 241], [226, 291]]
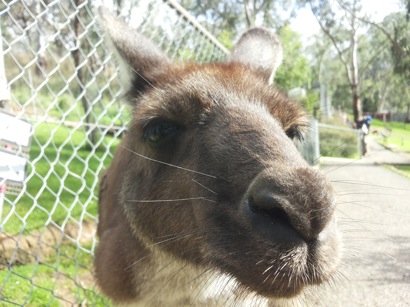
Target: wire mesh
[[63, 79]]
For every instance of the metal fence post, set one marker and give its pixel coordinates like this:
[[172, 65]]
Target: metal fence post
[[4, 91], [361, 143], [4, 98], [316, 143]]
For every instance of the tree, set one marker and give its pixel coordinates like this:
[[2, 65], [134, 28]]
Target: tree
[[381, 86], [294, 70], [328, 71], [235, 16], [4, 92], [343, 33], [23, 12], [227, 18], [344, 36], [62, 34], [399, 27], [76, 52], [396, 29]]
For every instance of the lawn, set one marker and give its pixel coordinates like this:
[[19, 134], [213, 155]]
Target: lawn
[[403, 169], [334, 143], [393, 134], [61, 179], [61, 188], [64, 278]]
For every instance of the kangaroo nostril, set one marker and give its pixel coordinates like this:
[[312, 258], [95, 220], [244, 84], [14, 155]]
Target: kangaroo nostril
[[289, 203], [271, 216], [270, 207], [278, 215]]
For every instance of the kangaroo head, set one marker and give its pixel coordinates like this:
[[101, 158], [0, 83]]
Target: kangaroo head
[[208, 178]]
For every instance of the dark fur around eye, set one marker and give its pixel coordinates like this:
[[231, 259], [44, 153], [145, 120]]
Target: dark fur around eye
[[295, 133], [159, 132]]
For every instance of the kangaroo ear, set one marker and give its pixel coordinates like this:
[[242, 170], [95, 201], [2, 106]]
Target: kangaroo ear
[[260, 49], [146, 62]]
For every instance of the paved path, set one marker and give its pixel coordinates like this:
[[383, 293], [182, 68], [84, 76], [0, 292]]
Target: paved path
[[379, 154], [374, 216]]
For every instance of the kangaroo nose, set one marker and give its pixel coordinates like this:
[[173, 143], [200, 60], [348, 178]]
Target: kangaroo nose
[[292, 207], [280, 213]]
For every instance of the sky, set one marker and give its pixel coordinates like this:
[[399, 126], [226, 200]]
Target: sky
[[306, 24]]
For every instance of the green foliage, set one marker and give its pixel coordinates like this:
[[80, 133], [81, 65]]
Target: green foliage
[[338, 143], [294, 70], [380, 87], [226, 38], [311, 101], [335, 143], [342, 95], [232, 15], [400, 47]]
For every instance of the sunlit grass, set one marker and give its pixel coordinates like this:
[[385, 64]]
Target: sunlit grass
[[402, 169], [61, 179], [64, 278], [393, 134]]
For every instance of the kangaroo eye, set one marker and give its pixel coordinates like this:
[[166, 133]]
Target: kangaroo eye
[[159, 132], [294, 133]]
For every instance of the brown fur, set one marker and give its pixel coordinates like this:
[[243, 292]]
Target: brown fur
[[227, 195]]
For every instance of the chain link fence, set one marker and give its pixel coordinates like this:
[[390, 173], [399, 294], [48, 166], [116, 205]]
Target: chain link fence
[[62, 79], [58, 75], [326, 140]]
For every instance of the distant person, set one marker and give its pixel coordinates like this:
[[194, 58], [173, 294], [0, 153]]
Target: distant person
[[366, 122], [364, 125]]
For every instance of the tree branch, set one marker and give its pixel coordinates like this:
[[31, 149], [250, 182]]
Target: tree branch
[[247, 13], [374, 57], [400, 51], [334, 42]]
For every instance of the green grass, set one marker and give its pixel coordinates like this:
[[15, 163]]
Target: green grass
[[61, 181], [337, 143], [403, 169], [344, 144], [65, 107], [399, 137], [64, 277], [61, 186], [334, 143], [28, 284]]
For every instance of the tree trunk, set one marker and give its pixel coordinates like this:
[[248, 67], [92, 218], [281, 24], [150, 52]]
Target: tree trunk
[[82, 91], [357, 103], [41, 42], [354, 75], [350, 62], [249, 14], [4, 92]]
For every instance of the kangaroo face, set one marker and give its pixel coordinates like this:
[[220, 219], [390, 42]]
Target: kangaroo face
[[208, 174]]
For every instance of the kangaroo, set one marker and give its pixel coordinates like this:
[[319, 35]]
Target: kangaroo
[[207, 200]]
